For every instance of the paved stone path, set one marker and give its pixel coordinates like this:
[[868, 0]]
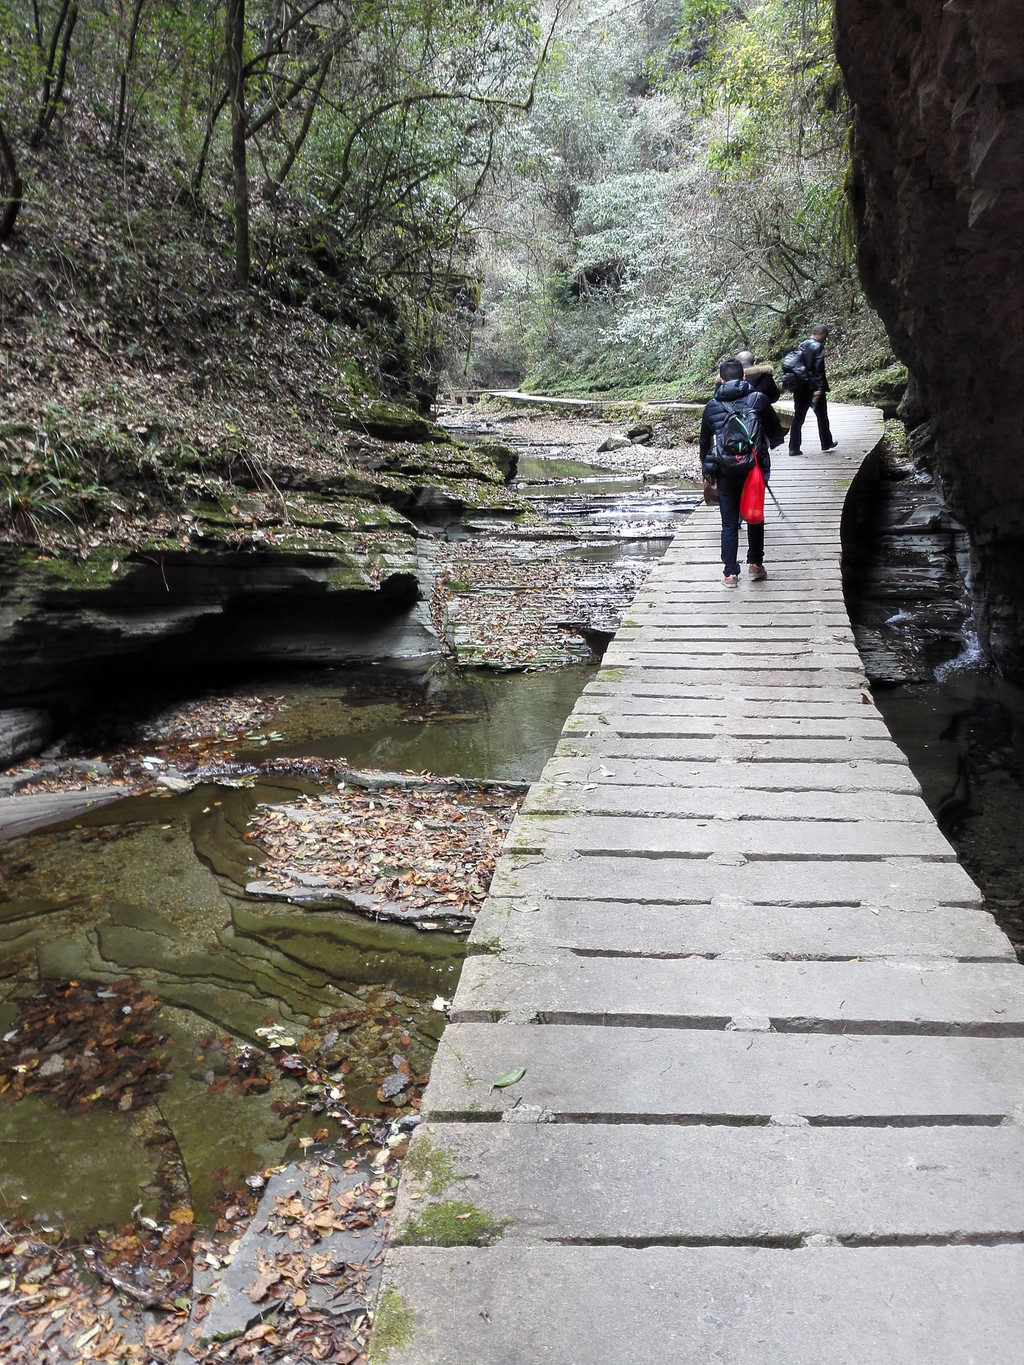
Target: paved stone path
[[773, 1045]]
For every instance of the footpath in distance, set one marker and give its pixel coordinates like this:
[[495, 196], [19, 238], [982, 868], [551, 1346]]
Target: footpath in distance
[[771, 1043]]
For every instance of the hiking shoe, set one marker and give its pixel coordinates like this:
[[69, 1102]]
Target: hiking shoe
[[730, 579], [757, 572], [831, 445]]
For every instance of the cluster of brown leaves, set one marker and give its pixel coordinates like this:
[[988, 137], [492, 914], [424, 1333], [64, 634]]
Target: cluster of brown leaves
[[225, 1064], [317, 1304], [212, 723], [152, 1265], [82, 1046], [304, 1222], [507, 606], [50, 1314], [375, 1043], [414, 847]]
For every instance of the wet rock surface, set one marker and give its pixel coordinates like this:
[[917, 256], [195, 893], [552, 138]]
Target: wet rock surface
[[903, 573], [961, 726], [939, 116]]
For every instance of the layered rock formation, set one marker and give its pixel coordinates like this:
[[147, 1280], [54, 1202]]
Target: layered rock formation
[[938, 91], [313, 561]]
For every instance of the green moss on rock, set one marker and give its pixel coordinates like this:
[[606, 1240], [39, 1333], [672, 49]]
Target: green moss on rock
[[453, 1223], [394, 1323], [393, 422], [74, 574], [428, 1165]]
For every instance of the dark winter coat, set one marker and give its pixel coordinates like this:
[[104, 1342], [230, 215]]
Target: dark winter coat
[[813, 353], [760, 377], [716, 414]]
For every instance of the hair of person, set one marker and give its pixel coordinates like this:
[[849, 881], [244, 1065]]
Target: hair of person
[[746, 358], [819, 330], [731, 369]]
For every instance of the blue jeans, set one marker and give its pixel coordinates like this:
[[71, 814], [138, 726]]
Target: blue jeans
[[803, 398], [729, 490]]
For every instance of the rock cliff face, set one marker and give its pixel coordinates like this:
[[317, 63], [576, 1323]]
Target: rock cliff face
[[938, 91]]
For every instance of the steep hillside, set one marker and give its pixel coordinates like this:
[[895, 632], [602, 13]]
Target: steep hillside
[[171, 446]]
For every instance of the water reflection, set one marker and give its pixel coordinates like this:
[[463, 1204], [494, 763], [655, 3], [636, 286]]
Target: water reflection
[[479, 724]]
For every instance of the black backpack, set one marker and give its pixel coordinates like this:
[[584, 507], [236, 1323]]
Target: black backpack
[[737, 444], [794, 370]]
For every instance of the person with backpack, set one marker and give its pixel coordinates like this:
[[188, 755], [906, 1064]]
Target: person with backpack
[[737, 429], [803, 372]]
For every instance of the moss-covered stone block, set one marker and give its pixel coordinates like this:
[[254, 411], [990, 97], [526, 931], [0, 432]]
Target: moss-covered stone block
[[394, 422]]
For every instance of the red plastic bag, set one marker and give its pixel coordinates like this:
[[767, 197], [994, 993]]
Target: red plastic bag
[[752, 497]]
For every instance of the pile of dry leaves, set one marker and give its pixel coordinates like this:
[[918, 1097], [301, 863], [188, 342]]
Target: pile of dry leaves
[[415, 847]]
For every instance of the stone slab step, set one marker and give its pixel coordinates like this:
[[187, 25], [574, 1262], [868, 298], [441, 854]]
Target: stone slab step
[[752, 661], [927, 996], [665, 1076], [673, 629], [605, 742], [512, 1304], [676, 600], [747, 678], [684, 590], [785, 653], [777, 638], [775, 633], [707, 1184], [708, 803], [643, 725], [732, 928], [765, 840], [654, 771], [623, 683], [688, 881], [616, 702]]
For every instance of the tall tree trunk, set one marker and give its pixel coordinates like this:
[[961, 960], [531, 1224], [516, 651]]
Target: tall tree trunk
[[11, 182], [53, 79], [125, 73], [235, 41]]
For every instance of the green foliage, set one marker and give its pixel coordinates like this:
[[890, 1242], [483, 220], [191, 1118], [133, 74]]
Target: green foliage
[[40, 482], [765, 72], [370, 130], [682, 195]]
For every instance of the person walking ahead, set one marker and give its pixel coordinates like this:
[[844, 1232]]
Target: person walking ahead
[[810, 392], [734, 398], [759, 377]]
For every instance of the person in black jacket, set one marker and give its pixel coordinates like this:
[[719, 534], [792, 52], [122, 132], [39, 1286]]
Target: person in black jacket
[[734, 394], [759, 377], [811, 392]]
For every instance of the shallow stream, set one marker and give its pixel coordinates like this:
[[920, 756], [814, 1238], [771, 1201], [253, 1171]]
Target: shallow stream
[[150, 890], [153, 887]]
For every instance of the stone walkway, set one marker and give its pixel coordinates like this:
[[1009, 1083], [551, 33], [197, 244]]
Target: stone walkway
[[771, 1042]]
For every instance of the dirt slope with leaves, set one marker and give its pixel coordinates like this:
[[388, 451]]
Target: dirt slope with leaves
[[151, 411]]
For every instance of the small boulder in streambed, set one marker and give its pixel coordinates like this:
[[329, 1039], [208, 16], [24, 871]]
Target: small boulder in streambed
[[617, 441]]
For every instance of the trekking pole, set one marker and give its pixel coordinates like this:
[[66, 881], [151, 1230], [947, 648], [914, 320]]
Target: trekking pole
[[778, 505]]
